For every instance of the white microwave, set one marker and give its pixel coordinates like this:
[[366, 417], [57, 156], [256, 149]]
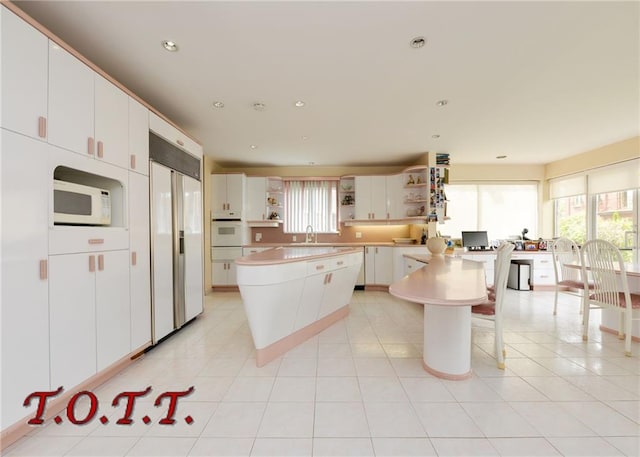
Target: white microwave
[[76, 204]]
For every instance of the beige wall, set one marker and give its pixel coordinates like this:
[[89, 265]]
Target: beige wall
[[481, 172], [314, 171]]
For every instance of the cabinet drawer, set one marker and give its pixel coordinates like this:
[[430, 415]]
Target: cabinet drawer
[[543, 277], [70, 240], [543, 262], [319, 266]]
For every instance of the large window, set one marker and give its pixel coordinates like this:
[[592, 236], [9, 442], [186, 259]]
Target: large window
[[311, 202], [503, 210], [571, 218]]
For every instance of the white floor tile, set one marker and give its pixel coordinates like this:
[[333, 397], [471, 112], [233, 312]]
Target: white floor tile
[[277, 447], [336, 367], [249, 389], [103, 446], [373, 367], [474, 389], [524, 447], [449, 447], [403, 447], [298, 367], [630, 409], [287, 420], [426, 389], [334, 350], [627, 445], [381, 388], [558, 389], [159, 446], [393, 420], [342, 388], [498, 420], [515, 389], [42, 446], [235, 420], [222, 447], [270, 369], [199, 412], [584, 447], [342, 447], [340, 420], [295, 388], [550, 419], [209, 388], [411, 367], [604, 420], [447, 420]]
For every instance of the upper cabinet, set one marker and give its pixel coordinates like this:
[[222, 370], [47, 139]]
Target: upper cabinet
[[228, 196], [71, 102], [264, 207], [256, 206], [174, 136], [23, 76], [415, 197], [371, 194], [138, 137], [111, 123]]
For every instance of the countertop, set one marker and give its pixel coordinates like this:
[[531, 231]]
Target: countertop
[[293, 254], [311, 245]]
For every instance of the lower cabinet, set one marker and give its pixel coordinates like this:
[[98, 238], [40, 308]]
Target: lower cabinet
[[89, 314], [378, 269], [223, 267]]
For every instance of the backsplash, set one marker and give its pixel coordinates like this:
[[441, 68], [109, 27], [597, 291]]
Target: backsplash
[[370, 234]]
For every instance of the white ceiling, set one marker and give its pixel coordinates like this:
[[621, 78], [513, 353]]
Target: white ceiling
[[536, 81]]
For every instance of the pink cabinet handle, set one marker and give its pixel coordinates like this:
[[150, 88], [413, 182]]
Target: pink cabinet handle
[[319, 267], [92, 263], [133, 161], [101, 262], [90, 145], [44, 271], [100, 149], [134, 258], [330, 276], [180, 142], [42, 127], [96, 241]]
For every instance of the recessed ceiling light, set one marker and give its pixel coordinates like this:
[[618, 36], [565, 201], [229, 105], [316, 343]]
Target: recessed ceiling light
[[170, 45], [259, 106], [442, 102], [501, 157], [253, 146], [418, 42], [305, 137], [436, 136], [299, 104], [218, 104]]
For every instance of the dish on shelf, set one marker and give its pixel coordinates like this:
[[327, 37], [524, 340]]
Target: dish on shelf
[[346, 187], [404, 240]]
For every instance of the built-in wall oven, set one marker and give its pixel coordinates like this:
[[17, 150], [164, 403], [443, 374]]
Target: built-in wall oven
[[229, 233]]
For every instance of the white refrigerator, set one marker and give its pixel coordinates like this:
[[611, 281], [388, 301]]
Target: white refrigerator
[[176, 250]]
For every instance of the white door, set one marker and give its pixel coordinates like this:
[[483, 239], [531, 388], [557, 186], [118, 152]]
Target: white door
[[370, 265], [384, 265], [394, 187], [138, 137], [162, 242], [24, 303], [256, 198], [235, 195], [193, 247], [362, 186], [219, 276], [311, 301], [111, 123], [140, 267], [113, 313], [71, 105], [72, 314], [24, 75], [379, 197], [219, 196]]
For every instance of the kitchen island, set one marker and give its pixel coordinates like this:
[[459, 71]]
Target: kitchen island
[[293, 293]]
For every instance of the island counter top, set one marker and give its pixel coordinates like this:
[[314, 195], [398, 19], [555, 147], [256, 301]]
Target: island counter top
[[293, 254]]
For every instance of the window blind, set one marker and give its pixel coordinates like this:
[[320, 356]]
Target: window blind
[[311, 202], [623, 176], [569, 186]]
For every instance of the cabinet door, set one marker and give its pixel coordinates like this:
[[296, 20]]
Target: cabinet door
[[370, 265], [72, 318], [384, 265], [311, 301], [71, 106], [193, 247], [362, 186], [111, 123], [379, 197], [24, 75], [256, 199], [138, 137], [219, 196], [24, 303], [161, 239], [394, 186], [219, 272], [113, 312], [140, 269], [235, 195], [337, 292]]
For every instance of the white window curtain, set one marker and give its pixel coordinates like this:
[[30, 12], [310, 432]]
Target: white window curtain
[[311, 202], [569, 186], [623, 176]]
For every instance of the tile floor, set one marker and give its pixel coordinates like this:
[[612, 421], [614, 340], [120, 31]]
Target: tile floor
[[358, 389]]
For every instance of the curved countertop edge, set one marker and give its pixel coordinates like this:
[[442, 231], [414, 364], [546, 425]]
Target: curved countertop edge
[[322, 244], [416, 286], [288, 254]]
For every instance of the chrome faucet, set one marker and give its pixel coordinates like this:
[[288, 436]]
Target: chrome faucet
[[311, 235]]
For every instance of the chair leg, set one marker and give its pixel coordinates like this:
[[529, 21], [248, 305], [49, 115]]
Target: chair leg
[[585, 322], [500, 351], [621, 331], [627, 323], [555, 302]]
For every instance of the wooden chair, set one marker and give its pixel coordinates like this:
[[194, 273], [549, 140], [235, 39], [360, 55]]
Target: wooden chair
[[568, 280], [492, 309], [610, 287]]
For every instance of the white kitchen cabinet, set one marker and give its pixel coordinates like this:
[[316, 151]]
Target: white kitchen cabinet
[[312, 293], [24, 303], [138, 137], [223, 267], [393, 185], [411, 265], [378, 265], [140, 268], [256, 199], [193, 248], [228, 196], [113, 311], [111, 123], [24, 76], [72, 311], [253, 250], [71, 102], [543, 274], [370, 197], [174, 136]]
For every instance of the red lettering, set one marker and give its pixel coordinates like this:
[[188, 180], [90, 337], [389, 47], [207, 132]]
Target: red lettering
[[71, 415], [173, 403], [131, 399], [42, 401]]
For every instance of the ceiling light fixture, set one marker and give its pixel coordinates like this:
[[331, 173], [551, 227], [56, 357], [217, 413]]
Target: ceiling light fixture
[[312, 163], [218, 105], [418, 42], [170, 46], [299, 104], [501, 157], [259, 106], [253, 146], [305, 137], [442, 102], [435, 137]]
